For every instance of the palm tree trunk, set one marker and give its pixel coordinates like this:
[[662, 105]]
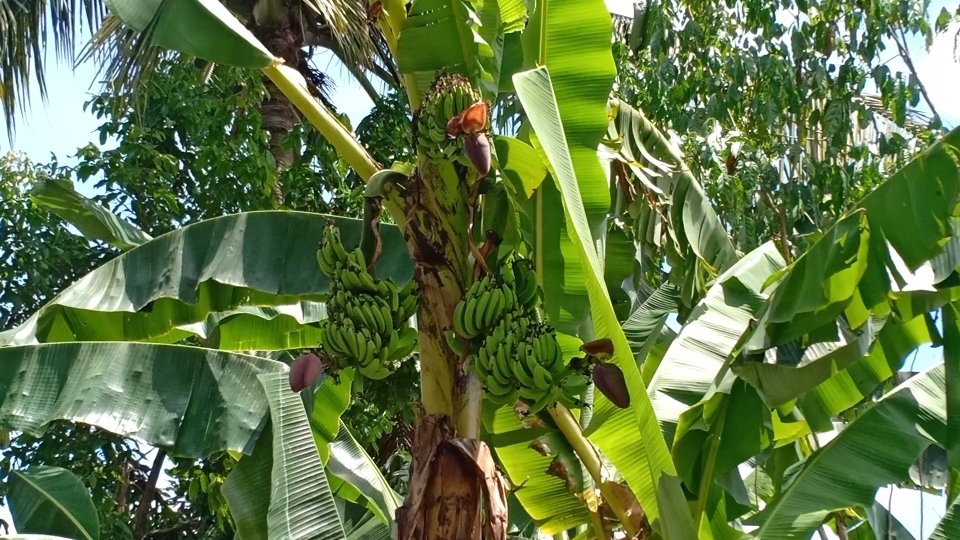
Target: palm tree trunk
[[282, 36]]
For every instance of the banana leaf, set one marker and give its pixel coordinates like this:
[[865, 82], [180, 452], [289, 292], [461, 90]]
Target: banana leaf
[[442, 35], [647, 151], [875, 449], [92, 220], [630, 438], [949, 526], [249, 259], [951, 360], [713, 330], [51, 500], [648, 319], [190, 401], [201, 28], [526, 456], [572, 39], [287, 497]]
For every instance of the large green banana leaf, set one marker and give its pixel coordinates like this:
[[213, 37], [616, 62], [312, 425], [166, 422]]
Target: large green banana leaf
[[443, 35], [180, 278], [708, 340], [647, 320], [629, 437], [255, 328], [847, 270], [572, 39], [92, 220], [51, 500], [201, 28], [191, 401], [876, 449], [645, 149], [281, 490]]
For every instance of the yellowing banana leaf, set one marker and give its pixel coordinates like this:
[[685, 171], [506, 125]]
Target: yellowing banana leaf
[[51, 500], [190, 401], [201, 28], [708, 340], [92, 220], [526, 456], [180, 278], [630, 438], [875, 449]]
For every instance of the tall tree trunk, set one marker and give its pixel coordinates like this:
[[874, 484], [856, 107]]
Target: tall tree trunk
[[281, 34]]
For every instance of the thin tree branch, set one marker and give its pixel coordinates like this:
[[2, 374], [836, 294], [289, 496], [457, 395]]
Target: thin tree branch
[[901, 42], [140, 520], [173, 530]]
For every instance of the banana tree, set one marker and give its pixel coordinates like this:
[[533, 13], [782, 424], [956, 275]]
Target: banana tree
[[527, 255]]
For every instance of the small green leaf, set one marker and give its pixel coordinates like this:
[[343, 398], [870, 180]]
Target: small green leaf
[[51, 500]]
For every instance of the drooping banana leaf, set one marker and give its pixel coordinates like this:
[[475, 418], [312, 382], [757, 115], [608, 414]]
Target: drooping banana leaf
[[647, 151], [201, 28], [647, 319], [712, 332], [778, 384], [849, 269], [92, 220], [281, 490], [190, 401], [629, 437], [51, 500], [847, 471], [180, 278]]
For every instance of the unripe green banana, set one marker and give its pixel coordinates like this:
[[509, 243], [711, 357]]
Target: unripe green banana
[[459, 322], [469, 319], [499, 400], [479, 312], [542, 377], [326, 265], [549, 398]]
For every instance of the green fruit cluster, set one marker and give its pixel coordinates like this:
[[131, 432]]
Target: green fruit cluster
[[450, 95], [513, 353], [366, 325]]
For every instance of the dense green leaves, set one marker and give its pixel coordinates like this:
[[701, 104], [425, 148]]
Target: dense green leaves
[[51, 500], [192, 402], [218, 265], [848, 470]]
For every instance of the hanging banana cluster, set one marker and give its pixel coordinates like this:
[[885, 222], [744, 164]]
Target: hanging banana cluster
[[366, 325], [515, 355], [438, 124]]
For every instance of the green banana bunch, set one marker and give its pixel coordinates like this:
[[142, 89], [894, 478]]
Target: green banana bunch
[[449, 96], [514, 355], [367, 319], [483, 306]]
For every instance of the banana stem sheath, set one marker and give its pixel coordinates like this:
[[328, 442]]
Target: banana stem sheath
[[570, 428], [291, 83]]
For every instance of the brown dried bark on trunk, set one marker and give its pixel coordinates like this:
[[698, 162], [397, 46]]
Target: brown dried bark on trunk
[[456, 491]]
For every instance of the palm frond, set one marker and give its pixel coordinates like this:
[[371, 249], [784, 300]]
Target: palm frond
[[25, 28]]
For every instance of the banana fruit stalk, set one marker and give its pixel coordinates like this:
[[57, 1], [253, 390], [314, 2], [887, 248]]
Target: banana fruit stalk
[[367, 318], [514, 354]]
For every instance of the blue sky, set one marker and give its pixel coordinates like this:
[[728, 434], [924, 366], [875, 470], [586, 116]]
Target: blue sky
[[60, 126]]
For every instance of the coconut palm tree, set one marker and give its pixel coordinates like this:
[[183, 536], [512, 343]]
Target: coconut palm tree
[[291, 29]]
